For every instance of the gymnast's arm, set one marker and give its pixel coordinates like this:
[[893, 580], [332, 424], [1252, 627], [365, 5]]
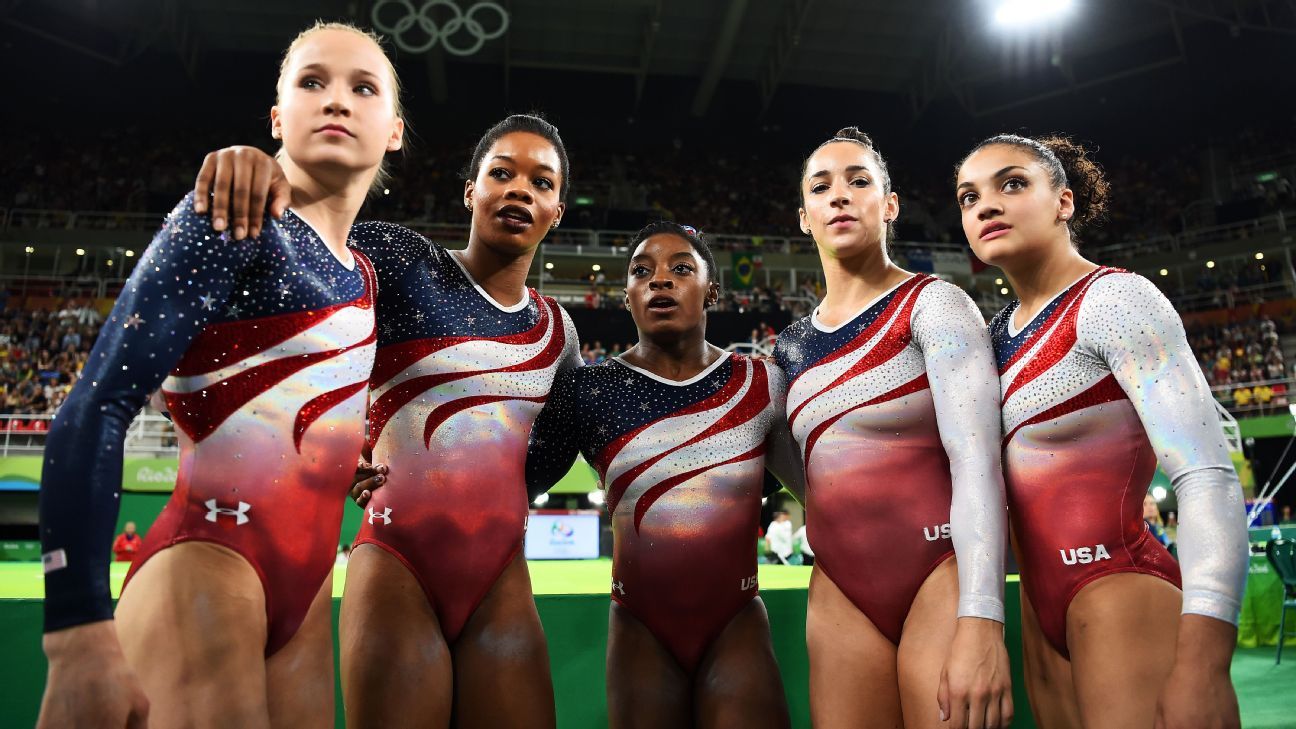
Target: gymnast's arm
[[782, 455], [161, 309], [163, 306], [964, 380], [554, 442], [1133, 328]]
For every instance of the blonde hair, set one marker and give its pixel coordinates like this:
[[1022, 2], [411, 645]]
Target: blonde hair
[[384, 174]]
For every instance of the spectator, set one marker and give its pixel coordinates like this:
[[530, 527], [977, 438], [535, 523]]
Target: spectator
[[803, 545], [1242, 398], [1152, 515], [127, 544], [778, 538]]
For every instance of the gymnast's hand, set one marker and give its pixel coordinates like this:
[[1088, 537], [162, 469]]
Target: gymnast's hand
[[89, 684], [368, 477], [241, 179], [975, 685], [1199, 694]]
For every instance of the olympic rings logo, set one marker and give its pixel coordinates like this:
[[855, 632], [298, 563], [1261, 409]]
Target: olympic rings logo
[[459, 20]]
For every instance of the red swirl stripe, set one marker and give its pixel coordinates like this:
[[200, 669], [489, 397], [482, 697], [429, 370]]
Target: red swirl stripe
[[393, 359], [657, 491], [893, 342], [752, 403], [736, 378], [917, 384], [312, 410], [863, 337], [222, 344], [397, 397], [1105, 390], [201, 412]]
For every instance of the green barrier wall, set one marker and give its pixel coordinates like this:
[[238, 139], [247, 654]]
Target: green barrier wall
[[576, 626]]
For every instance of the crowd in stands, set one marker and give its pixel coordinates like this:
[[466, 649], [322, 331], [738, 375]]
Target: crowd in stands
[[750, 192], [1243, 362], [42, 353]]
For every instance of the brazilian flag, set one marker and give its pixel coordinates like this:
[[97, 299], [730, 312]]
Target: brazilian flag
[[744, 271]]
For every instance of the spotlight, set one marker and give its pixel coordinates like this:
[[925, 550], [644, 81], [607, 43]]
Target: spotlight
[[1260, 256], [541, 500], [130, 253], [549, 266], [596, 498], [999, 282], [80, 251], [1004, 291], [596, 267], [1019, 13], [1210, 264], [1164, 272], [30, 249]]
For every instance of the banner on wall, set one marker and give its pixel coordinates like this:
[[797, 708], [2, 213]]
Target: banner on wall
[[553, 534], [153, 475]]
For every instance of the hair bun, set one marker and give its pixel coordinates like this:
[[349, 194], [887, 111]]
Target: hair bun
[[1085, 178]]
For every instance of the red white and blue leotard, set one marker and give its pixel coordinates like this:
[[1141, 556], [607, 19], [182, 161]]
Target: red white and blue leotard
[[1098, 387], [458, 381], [893, 410], [268, 345], [683, 464]]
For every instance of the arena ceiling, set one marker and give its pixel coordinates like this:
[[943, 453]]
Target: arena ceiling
[[920, 50]]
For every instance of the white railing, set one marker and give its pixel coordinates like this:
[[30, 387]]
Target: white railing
[[1125, 250], [576, 240], [149, 433], [1228, 298]]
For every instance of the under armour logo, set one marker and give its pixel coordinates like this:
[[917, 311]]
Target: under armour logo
[[385, 515], [618, 586], [239, 514]]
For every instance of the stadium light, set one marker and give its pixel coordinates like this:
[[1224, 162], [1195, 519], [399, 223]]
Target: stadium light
[[1260, 256], [541, 500], [30, 249], [1159, 493], [386, 191], [596, 498], [596, 267], [109, 262], [1165, 272], [130, 253], [1020, 13], [999, 282], [80, 251], [549, 266], [1210, 264], [1004, 291]]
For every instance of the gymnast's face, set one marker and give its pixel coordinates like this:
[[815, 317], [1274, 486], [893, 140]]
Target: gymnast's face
[[515, 197], [667, 287], [1012, 215], [337, 108], [845, 207]]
